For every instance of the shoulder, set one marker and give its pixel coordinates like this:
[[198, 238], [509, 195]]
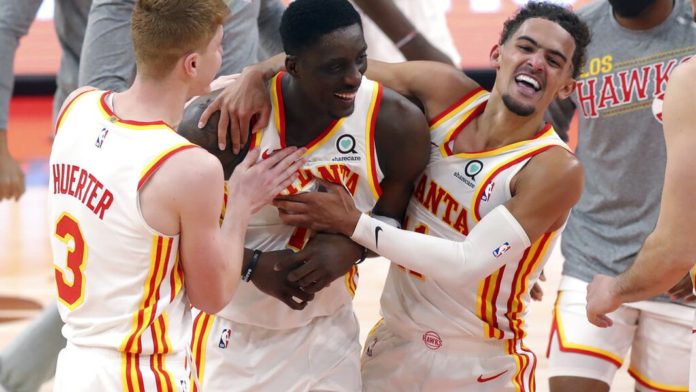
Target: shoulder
[[73, 95], [556, 170], [193, 169], [399, 118], [402, 138]]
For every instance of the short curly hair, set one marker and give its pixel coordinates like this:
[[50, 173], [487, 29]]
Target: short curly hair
[[557, 14], [304, 22]]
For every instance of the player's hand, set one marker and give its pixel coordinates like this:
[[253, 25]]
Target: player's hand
[[275, 283], [11, 176], [332, 211], [683, 291], [243, 104], [254, 184], [223, 81], [537, 293], [601, 300], [325, 258]]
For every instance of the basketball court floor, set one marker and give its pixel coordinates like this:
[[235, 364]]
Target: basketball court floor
[[26, 268]]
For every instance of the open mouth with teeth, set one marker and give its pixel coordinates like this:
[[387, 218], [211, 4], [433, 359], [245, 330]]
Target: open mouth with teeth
[[346, 97], [528, 84]]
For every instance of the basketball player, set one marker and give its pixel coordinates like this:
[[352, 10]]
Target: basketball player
[[135, 210], [482, 219], [620, 143], [368, 139], [670, 250]]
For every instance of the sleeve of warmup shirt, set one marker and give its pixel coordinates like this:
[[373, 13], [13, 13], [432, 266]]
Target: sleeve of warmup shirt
[[15, 18], [496, 240]]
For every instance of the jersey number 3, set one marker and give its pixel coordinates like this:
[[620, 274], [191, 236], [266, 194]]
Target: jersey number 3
[[71, 292]]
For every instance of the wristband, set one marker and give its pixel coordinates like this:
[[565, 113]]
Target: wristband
[[246, 276]]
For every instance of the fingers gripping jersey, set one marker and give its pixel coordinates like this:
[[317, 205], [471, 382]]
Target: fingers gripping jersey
[[343, 153], [454, 193], [119, 282]]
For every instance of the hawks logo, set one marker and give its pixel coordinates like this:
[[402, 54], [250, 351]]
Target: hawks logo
[[432, 340]]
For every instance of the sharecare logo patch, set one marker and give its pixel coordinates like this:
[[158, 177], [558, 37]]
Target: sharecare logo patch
[[501, 250]]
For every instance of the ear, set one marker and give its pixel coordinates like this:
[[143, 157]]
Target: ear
[[495, 57], [566, 89], [191, 64], [291, 65]]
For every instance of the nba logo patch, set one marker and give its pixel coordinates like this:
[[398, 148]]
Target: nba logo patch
[[487, 193], [102, 136], [501, 250], [225, 338]]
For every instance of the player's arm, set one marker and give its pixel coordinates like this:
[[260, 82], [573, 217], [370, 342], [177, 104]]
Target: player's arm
[[412, 44], [402, 143], [436, 85], [264, 276], [670, 250], [542, 199], [211, 252]]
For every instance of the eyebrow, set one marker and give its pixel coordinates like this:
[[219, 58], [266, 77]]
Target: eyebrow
[[552, 51]]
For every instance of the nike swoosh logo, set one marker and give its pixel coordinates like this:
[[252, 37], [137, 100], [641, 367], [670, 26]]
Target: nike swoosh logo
[[377, 230], [486, 379]]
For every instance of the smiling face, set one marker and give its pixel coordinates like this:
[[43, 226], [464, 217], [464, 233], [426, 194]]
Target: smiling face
[[534, 66], [329, 72]]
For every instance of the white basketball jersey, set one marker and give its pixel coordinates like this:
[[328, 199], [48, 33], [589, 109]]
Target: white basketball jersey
[[343, 153], [454, 193], [120, 282]]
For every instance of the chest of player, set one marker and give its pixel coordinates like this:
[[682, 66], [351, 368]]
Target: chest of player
[[457, 191]]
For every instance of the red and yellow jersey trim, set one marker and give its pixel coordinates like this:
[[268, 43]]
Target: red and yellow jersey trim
[[524, 358], [152, 167], [546, 131], [486, 304], [131, 376], [145, 315], [530, 263], [67, 109], [445, 149], [279, 118], [476, 201], [457, 107], [352, 280], [163, 378], [653, 385], [372, 114], [108, 114], [565, 346], [202, 326]]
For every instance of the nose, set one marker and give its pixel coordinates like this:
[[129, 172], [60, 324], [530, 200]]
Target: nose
[[536, 60], [353, 76]]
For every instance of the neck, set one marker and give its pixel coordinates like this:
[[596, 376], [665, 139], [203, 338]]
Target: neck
[[652, 16], [498, 126], [303, 121], [149, 100]]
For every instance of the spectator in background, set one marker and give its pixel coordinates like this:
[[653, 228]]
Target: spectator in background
[[398, 30], [635, 46], [16, 16]]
